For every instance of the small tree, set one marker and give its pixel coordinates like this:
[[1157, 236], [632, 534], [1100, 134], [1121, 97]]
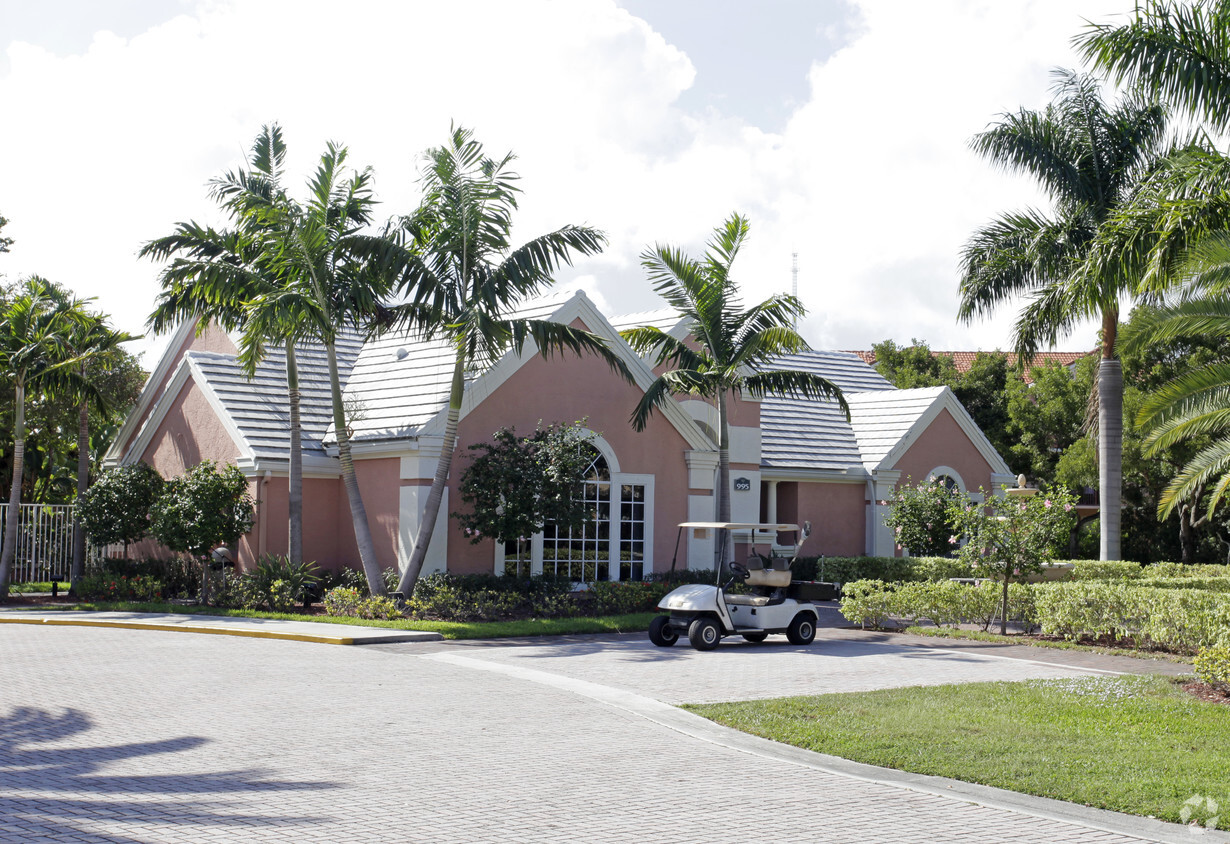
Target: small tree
[[118, 506], [924, 517], [203, 508], [1012, 536], [515, 485]]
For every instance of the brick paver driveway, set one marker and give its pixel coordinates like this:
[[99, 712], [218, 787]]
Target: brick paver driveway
[[137, 736]]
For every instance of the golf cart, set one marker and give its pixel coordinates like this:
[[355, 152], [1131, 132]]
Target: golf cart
[[707, 613]]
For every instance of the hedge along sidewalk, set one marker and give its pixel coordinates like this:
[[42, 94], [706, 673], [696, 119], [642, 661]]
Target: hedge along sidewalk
[[316, 627], [1115, 611]]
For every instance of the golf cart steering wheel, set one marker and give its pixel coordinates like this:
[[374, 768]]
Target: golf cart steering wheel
[[739, 570]]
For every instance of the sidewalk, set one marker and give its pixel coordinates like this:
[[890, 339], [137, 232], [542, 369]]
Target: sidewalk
[[256, 628]]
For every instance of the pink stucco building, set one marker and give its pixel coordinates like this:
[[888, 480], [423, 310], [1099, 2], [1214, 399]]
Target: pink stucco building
[[790, 459]]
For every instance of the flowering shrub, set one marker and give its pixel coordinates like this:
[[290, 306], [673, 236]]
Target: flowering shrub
[[924, 518]]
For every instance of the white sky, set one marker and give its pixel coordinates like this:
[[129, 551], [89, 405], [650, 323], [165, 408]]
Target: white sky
[[840, 127]]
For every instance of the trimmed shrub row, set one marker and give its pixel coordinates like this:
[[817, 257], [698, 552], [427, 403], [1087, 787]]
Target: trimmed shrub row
[[1113, 612]]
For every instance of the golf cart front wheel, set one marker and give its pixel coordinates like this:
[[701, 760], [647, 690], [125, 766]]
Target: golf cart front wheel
[[756, 637], [704, 634], [802, 629], [661, 633]]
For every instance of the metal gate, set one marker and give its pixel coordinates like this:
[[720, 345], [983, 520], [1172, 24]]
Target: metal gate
[[44, 541]]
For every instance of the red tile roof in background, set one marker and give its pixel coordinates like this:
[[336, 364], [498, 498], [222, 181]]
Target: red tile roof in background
[[964, 360]]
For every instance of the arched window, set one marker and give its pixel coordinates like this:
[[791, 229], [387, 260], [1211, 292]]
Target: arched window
[[619, 524]]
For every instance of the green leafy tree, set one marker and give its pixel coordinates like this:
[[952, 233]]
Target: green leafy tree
[[1091, 159], [514, 486], [983, 392], [923, 517], [907, 367], [118, 506], [203, 508], [467, 280], [730, 349], [1048, 416], [35, 327], [1012, 536], [5, 242]]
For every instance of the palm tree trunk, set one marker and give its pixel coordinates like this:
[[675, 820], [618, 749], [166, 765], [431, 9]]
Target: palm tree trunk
[[1110, 454], [83, 484], [431, 511], [295, 481], [358, 513], [725, 546], [14, 510]]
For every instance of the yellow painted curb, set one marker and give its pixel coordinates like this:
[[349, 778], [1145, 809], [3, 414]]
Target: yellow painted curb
[[183, 628]]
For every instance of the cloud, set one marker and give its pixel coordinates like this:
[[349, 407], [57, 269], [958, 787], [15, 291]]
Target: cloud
[[871, 181]]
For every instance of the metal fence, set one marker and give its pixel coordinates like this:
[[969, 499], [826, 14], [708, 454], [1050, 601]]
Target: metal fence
[[44, 541]]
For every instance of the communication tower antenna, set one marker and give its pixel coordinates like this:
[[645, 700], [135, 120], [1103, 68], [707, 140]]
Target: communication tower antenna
[[794, 280]]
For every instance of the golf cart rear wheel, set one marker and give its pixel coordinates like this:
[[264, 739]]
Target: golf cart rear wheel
[[661, 633], [802, 629], [704, 634], [756, 637]]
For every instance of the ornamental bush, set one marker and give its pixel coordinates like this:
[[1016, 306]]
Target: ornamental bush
[[1181, 620], [104, 586], [203, 508], [942, 603], [117, 507], [628, 597], [1212, 666]]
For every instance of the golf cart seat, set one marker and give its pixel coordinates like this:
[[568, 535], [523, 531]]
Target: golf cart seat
[[748, 600], [772, 578]]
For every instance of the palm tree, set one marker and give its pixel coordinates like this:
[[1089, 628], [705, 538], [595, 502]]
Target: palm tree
[[1092, 160], [334, 275], [730, 350], [34, 352], [1178, 53], [1195, 405], [89, 339], [466, 280], [218, 276]]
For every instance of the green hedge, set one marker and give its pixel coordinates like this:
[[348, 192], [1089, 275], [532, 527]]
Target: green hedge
[[1124, 570], [943, 603], [887, 569], [1114, 612]]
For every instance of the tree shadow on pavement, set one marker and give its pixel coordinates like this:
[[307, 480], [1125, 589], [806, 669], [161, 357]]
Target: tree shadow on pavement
[[65, 792]]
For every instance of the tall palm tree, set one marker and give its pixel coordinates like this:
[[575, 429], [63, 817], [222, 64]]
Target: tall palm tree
[[466, 280], [219, 276], [730, 350], [89, 339], [1177, 52], [1092, 159], [34, 352], [335, 274]]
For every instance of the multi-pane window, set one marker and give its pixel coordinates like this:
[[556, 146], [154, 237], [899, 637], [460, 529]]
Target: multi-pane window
[[631, 531], [584, 553]]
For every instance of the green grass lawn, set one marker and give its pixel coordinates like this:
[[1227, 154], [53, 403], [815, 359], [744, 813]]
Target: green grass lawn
[[1131, 744], [448, 629], [37, 586]]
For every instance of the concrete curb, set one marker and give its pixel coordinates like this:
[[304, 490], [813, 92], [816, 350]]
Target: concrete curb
[[705, 730], [293, 631]]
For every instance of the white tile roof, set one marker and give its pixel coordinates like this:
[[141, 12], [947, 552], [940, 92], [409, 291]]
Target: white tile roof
[[258, 406], [881, 419]]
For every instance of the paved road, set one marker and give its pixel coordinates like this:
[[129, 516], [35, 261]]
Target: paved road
[[111, 735]]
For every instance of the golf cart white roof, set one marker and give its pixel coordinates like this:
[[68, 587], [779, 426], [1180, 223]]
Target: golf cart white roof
[[770, 526]]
